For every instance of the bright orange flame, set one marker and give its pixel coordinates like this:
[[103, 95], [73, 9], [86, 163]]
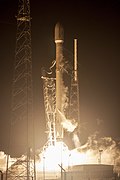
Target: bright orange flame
[[54, 158], [59, 156], [87, 157]]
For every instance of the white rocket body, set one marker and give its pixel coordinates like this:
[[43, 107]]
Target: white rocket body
[[59, 40]]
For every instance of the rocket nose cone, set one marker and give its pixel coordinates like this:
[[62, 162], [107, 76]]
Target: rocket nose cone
[[59, 32]]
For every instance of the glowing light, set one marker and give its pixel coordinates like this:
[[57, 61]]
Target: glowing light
[[54, 157]]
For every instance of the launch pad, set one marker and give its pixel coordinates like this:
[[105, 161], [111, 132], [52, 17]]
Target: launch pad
[[56, 161], [62, 114]]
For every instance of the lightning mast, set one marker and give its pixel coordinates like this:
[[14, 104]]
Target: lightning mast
[[22, 132]]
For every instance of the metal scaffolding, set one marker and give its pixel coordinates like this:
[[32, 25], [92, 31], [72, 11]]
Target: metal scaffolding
[[22, 124], [74, 110], [49, 90]]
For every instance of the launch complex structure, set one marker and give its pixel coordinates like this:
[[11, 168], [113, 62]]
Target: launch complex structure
[[62, 112], [55, 98], [61, 102]]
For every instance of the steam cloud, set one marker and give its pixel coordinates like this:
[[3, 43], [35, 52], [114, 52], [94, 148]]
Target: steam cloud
[[103, 150], [68, 124]]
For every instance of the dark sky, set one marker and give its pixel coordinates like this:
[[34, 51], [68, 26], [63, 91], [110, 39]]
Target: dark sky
[[96, 25]]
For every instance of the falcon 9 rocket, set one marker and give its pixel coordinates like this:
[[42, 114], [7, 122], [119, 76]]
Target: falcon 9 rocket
[[59, 40]]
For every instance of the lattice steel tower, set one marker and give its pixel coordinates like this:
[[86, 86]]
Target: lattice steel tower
[[49, 90], [22, 125], [74, 110]]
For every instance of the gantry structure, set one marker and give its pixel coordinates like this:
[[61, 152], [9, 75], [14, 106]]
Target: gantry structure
[[49, 93], [74, 110], [21, 143]]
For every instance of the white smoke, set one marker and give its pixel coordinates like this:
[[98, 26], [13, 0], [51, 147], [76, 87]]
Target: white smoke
[[76, 140], [68, 124], [103, 150], [3, 160], [65, 99]]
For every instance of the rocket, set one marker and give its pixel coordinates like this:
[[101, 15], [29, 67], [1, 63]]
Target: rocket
[[59, 40]]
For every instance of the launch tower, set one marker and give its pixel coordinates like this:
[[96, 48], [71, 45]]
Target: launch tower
[[22, 125], [74, 110]]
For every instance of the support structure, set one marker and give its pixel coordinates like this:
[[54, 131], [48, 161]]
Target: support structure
[[22, 124], [49, 90], [74, 92]]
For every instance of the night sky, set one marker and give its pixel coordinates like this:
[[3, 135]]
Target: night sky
[[96, 25]]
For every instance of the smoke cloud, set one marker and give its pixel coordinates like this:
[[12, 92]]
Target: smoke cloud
[[102, 150], [3, 160], [68, 124], [76, 140]]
